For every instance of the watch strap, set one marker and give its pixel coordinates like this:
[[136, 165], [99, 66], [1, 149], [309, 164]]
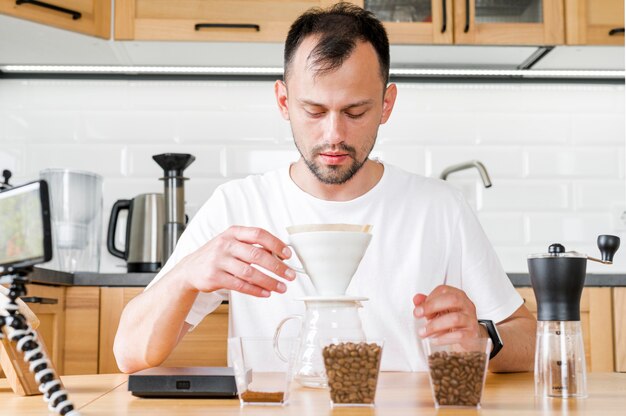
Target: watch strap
[[492, 331]]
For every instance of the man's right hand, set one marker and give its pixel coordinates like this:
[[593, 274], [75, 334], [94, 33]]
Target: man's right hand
[[225, 263]]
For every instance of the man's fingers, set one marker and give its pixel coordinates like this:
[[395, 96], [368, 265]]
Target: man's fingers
[[230, 282], [442, 304], [254, 235], [446, 323], [250, 254], [418, 299], [247, 273]]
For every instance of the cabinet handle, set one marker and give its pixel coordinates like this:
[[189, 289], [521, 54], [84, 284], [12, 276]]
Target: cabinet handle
[[228, 26], [37, 299], [467, 16], [445, 16], [616, 31], [75, 15]]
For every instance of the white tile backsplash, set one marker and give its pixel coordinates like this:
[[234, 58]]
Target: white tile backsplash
[[501, 161], [598, 129], [523, 128], [582, 162], [575, 228], [555, 152], [520, 195], [598, 195]]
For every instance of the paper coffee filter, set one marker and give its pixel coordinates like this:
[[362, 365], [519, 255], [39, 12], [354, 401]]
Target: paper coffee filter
[[306, 228]]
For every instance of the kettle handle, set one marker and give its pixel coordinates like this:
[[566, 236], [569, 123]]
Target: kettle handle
[[279, 328], [115, 211]]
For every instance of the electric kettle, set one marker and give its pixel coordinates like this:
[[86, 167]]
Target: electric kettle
[[144, 232]]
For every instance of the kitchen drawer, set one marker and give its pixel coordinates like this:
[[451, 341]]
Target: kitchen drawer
[[95, 15], [251, 20]]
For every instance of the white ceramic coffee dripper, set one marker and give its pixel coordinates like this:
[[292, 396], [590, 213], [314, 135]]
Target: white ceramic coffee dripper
[[330, 254]]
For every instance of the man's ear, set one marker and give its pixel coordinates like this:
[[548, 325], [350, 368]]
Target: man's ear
[[280, 90], [388, 101]]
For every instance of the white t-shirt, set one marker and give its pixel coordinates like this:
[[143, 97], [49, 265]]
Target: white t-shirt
[[424, 234]]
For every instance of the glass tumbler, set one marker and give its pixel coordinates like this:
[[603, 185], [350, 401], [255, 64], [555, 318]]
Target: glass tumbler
[[352, 369], [457, 370], [262, 377]]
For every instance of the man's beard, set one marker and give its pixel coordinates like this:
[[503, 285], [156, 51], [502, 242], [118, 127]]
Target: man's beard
[[333, 174]]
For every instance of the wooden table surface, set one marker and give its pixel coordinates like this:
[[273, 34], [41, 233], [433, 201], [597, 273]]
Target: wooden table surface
[[398, 394]]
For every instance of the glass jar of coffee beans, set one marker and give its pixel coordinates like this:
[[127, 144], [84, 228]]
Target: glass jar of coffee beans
[[352, 370], [457, 371]]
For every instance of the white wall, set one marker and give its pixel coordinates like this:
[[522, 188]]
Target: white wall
[[555, 152]]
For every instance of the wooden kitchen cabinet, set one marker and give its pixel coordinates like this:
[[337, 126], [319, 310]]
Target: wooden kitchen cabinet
[[82, 331], [204, 346], [91, 17], [509, 22], [52, 319], [596, 317], [198, 20], [594, 22], [414, 21], [619, 315], [486, 22]]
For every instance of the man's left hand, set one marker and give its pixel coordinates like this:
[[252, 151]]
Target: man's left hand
[[449, 314]]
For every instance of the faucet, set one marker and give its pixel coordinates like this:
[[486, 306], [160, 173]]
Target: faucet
[[467, 165]]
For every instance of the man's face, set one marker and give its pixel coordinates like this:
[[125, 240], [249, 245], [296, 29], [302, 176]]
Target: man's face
[[335, 115]]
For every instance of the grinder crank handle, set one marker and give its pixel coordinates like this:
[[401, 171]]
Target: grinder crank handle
[[608, 245]]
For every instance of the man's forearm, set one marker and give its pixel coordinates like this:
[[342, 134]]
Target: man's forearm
[[151, 324], [518, 354]]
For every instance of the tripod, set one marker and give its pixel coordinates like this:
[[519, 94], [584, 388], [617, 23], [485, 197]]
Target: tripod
[[18, 330]]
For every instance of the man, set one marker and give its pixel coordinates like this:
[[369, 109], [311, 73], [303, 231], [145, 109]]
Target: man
[[426, 239]]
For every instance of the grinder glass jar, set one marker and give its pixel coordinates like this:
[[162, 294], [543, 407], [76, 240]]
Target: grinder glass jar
[[457, 370], [352, 369]]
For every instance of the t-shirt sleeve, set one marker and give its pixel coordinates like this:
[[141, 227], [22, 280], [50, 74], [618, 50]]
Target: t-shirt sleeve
[[475, 266], [198, 232]]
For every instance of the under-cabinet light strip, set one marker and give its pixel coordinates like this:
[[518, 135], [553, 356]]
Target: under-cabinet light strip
[[277, 71]]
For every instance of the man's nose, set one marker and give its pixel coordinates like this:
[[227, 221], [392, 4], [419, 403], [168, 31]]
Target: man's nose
[[334, 129]]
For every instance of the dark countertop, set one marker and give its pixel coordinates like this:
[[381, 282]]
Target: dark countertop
[[53, 277]]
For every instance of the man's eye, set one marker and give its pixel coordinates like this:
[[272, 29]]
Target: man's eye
[[315, 114], [359, 115]]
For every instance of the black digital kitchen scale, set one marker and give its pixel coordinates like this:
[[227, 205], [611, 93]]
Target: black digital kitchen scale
[[208, 382]]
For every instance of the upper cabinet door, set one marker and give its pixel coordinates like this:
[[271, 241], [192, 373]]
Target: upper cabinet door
[[594, 22], [509, 22], [201, 20], [91, 17], [414, 21]]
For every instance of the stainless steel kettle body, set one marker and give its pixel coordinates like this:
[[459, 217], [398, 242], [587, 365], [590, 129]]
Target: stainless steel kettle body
[[144, 232]]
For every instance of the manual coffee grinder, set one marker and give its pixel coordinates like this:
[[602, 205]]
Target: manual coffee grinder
[[558, 278]]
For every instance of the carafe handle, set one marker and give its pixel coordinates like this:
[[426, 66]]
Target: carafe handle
[[279, 328]]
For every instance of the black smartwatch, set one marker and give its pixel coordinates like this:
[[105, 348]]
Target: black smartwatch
[[496, 341]]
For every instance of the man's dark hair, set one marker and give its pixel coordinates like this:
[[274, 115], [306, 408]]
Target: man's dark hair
[[339, 28]]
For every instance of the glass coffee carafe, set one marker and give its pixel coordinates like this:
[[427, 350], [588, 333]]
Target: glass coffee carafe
[[324, 319]]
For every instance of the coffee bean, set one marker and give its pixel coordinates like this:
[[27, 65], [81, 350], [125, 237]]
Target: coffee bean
[[352, 371], [457, 377]]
